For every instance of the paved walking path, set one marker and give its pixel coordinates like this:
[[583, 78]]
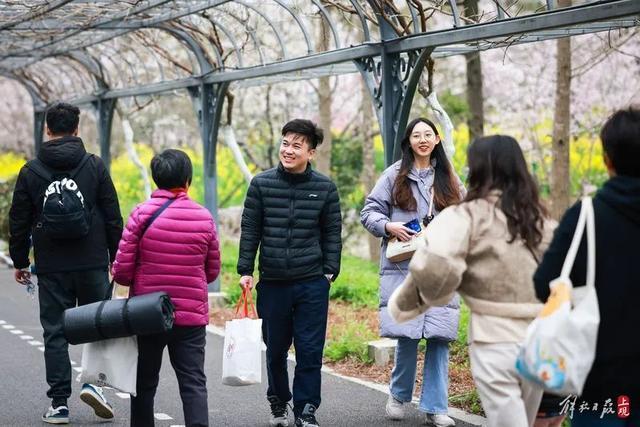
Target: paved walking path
[[23, 386]]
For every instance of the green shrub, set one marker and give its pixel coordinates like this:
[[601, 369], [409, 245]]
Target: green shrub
[[357, 283], [229, 279], [127, 179], [459, 346], [6, 195], [469, 400], [350, 341]]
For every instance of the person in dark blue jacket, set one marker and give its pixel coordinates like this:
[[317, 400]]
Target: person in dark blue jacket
[[613, 384]]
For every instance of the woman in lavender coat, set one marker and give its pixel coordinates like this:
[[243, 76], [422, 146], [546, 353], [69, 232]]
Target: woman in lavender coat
[[418, 186]]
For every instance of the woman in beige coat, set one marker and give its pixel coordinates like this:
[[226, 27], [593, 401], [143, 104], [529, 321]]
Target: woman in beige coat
[[487, 248]]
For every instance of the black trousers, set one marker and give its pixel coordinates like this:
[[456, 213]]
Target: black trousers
[[294, 313], [57, 292], [186, 352]]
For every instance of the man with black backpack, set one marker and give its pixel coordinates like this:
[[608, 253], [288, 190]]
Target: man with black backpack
[[65, 204]]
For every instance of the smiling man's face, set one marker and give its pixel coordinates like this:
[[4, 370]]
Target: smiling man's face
[[295, 152]]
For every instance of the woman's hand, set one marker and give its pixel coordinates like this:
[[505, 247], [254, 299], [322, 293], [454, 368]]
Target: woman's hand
[[399, 231]]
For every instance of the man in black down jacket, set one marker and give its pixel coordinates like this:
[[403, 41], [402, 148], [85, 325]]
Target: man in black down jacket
[[70, 271], [615, 372], [293, 214]]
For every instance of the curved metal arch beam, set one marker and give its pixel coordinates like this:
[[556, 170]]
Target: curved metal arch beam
[[116, 65], [150, 76], [414, 18], [233, 41], [128, 13], [39, 104], [41, 81], [194, 61], [384, 28], [184, 37], [188, 41], [456, 14], [43, 73], [136, 53], [75, 80], [310, 44], [274, 27], [325, 14], [363, 19], [91, 65], [252, 34], [34, 15]]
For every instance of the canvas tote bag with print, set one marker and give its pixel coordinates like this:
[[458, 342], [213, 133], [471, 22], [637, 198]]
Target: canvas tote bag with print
[[242, 351], [560, 345], [111, 363]]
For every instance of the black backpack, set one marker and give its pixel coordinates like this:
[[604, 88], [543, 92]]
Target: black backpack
[[65, 214]]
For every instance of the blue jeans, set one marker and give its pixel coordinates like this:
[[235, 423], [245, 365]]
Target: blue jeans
[[435, 377], [294, 312]]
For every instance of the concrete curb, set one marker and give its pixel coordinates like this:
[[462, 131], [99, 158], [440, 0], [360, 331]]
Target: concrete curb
[[458, 414]]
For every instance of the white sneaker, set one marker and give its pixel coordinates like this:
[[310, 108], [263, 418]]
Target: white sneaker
[[92, 396], [395, 409], [439, 420]]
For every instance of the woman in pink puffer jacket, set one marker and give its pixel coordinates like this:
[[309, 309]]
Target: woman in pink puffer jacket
[[178, 254]]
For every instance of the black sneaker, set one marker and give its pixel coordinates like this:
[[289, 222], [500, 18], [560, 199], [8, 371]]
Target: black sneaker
[[57, 415], [279, 412], [308, 417]]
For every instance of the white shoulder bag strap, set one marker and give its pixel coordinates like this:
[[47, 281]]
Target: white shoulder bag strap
[[585, 220]]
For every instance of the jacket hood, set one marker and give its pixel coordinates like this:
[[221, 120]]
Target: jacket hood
[[63, 153], [622, 193]]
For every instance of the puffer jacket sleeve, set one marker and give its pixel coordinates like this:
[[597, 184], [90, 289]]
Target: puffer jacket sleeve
[[331, 232], [251, 229], [212, 267], [21, 216], [436, 269], [377, 208], [124, 266]]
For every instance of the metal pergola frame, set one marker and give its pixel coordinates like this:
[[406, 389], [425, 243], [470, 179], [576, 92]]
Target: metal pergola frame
[[390, 64]]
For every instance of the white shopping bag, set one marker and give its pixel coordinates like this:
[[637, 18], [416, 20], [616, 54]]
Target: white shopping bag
[[242, 352], [241, 360], [560, 345], [112, 363]]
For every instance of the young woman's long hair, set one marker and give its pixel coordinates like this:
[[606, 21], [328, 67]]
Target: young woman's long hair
[[446, 191], [497, 163]]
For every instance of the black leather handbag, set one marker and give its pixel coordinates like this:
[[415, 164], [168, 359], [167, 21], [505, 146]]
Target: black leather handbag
[[116, 318]]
